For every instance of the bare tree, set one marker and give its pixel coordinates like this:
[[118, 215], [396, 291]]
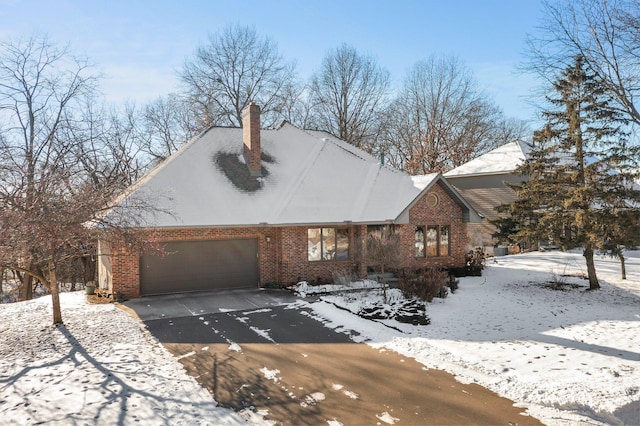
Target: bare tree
[[441, 119], [349, 93], [40, 84], [58, 230], [167, 126], [606, 33], [108, 146], [105, 156], [58, 170], [49, 233], [298, 106], [508, 129], [383, 250], [236, 66]]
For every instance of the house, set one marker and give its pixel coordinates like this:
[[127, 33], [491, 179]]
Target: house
[[483, 183], [246, 206]]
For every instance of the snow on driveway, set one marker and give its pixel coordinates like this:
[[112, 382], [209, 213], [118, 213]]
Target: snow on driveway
[[102, 368]]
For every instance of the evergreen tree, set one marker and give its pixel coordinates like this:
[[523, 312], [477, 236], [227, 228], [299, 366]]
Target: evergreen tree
[[623, 232], [580, 172]]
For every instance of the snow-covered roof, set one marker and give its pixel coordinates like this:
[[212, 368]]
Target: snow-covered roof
[[504, 159], [312, 178]]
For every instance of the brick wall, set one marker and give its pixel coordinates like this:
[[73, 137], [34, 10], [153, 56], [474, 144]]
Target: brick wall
[[283, 254], [295, 266], [446, 212], [126, 262]]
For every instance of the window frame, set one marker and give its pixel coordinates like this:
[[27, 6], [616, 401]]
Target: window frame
[[428, 240], [338, 237], [438, 251], [423, 241]]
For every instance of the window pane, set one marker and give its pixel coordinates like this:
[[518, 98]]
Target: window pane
[[343, 243], [314, 244], [419, 241], [328, 243], [432, 241], [444, 241]]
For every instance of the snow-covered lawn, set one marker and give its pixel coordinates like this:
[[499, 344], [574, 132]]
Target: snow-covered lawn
[[102, 368], [569, 356]]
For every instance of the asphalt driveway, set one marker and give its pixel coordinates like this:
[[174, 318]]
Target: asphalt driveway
[[236, 316], [264, 350]]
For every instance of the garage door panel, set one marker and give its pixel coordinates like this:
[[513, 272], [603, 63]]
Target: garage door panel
[[200, 265]]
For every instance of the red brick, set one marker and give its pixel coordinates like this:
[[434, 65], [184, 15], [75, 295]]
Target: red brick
[[283, 250]]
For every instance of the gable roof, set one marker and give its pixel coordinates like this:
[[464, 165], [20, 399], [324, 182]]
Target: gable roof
[[504, 159], [425, 182], [311, 178]]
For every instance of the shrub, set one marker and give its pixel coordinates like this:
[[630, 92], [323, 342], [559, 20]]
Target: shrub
[[425, 284], [458, 271], [453, 283], [475, 262]]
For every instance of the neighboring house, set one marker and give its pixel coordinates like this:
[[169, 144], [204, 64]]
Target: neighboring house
[[482, 182], [251, 207]]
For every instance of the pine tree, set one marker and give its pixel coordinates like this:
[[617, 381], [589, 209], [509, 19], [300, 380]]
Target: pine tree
[[580, 171], [622, 233]]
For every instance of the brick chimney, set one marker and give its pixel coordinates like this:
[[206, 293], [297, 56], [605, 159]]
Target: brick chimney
[[251, 138]]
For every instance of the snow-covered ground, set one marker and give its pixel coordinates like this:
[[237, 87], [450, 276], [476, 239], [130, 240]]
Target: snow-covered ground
[[569, 356], [102, 368]]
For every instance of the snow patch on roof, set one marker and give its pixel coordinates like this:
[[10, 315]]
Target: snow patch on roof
[[504, 159], [422, 181]]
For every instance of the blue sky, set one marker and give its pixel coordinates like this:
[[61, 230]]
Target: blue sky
[[141, 45]]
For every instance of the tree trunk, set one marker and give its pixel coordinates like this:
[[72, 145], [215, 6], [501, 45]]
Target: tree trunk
[[55, 294], [26, 288], [384, 283], [591, 268], [623, 268]]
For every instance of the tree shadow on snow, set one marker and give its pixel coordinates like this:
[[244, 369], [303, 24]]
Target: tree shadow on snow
[[113, 390]]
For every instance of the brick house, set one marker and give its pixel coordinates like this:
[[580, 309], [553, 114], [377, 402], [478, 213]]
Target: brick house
[[241, 207]]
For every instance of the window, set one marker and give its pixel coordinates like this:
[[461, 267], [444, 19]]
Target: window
[[438, 240], [327, 244], [419, 241], [432, 241], [432, 200], [315, 243], [342, 244], [444, 241]]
